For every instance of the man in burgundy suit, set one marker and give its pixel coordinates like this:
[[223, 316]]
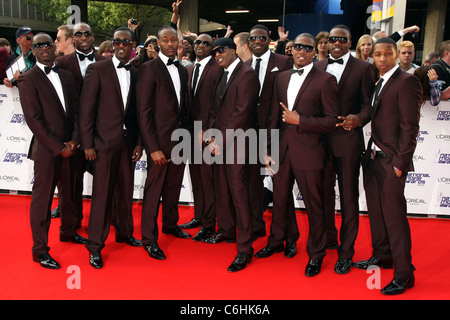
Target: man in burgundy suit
[[203, 75], [305, 106], [49, 104], [387, 161], [234, 110], [77, 63], [109, 135], [356, 79], [267, 65], [163, 107]]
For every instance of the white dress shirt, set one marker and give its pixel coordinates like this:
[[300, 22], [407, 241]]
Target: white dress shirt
[[56, 82], [173, 71], [295, 83], [124, 80], [202, 64], [337, 69], [262, 67], [85, 63]]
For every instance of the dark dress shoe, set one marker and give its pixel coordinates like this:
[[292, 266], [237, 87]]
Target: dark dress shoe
[[219, 237], [343, 266], [55, 213], [374, 261], [313, 267], [95, 260], [398, 286], [267, 251], [154, 251], [203, 234], [291, 250], [132, 241], [194, 223], [75, 238], [177, 232], [46, 261], [240, 262]]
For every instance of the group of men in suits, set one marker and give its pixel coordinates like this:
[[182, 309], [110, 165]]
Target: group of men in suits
[[319, 110]]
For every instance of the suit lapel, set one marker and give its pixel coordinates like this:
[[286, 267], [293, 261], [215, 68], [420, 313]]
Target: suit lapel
[[165, 73], [347, 71], [231, 78], [305, 84], [48, 84], [383, 90]]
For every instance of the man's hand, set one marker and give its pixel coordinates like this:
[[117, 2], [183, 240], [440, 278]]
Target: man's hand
[[291, 117], [398, 172], [90, 154], [269, 161], [158, 158], [137, 153], [349, 122], [67, 151], [199, 139]]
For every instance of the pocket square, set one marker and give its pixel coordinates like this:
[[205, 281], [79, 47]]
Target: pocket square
[[275, 69]]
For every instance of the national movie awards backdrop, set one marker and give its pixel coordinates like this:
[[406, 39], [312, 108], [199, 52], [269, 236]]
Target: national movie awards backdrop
[[427, 188]]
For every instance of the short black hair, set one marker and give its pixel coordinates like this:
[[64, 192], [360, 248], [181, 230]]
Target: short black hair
[[306, 35], [342, 26], [127, 30], [260, 26], [165, 28], [386, 40]]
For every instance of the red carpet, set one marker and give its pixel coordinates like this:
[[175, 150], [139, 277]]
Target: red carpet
[[198, 271]]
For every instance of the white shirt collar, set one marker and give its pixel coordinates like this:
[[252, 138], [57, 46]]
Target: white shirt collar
[[115, 61], [306, 69], [388, 74], [231, 67], [204, 61], [42, 66], [345, 57], [164, 58], [264, 57]]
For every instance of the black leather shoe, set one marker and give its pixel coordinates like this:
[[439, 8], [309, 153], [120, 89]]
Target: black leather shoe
[[154, 251], [291, 250], [374, 261], [219, 237], [398, 286], [194, 223], [240, 262], [313, 267], [46, 261], [343, 266], [267, 251], [203, 234], [95, 260], [177, 232], [75, 238], [132, 241], [55, 213]]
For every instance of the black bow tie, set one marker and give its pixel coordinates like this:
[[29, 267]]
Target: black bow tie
[[176, 62], [48, 69], [299, 71], [331, 61], [83, 56], [126, 66]]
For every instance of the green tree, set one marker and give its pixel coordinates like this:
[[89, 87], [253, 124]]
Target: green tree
[[105, 17]]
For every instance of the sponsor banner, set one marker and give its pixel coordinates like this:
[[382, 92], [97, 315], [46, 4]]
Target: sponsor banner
[[427, 189]]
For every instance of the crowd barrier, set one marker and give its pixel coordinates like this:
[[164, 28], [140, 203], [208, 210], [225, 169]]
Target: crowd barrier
[[427, 188]]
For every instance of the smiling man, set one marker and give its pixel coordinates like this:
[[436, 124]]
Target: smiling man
[[108, 136], [305, 106], [394, 127], [49, 103]]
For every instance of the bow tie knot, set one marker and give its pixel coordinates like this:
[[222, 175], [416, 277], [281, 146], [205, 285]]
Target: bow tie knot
[[83, 56], [176, 63], [299, 71], [48, 69], [126, 66], [331, 61]]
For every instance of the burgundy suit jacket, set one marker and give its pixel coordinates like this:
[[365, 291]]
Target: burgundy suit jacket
[[102, 114], [395, 118], [317, 103], [159, 113], [70, 63], [355, 89], [236, 107], [50, 124], [202, 102], [277, 63]]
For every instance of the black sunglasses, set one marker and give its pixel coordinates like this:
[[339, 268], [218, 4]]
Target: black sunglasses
[[117, 42], [261, 38], [204, 42], [79, 34], [301, 46], [334, 39], [220, 50], [42, 45], [28, 37]]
